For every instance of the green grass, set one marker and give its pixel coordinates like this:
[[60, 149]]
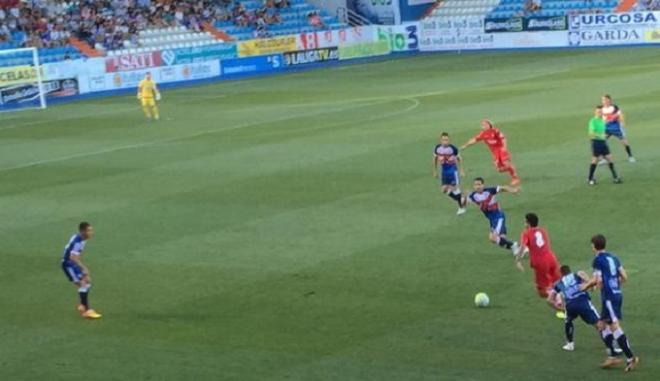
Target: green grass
[[288, 228]]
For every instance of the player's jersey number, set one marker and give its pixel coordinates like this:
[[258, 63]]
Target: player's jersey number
[[540, 242]]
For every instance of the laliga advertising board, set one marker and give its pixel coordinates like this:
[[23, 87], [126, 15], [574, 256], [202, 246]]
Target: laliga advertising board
[[613, 29]]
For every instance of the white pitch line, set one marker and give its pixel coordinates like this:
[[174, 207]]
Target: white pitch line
[[177, 138]]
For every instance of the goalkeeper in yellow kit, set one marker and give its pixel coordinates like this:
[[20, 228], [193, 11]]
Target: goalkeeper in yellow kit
[[148, 94]]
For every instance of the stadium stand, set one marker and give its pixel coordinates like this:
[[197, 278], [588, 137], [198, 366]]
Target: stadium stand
[[124, 26], [550, 8], [451, 8], [255, 19]]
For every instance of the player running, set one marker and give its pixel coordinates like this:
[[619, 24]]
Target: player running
[[609, 274], [615, 124], [542, 259], [496, 142], [599, 147], [76, 271], [447, 161], [487, 202], [577, 304], [148, 94]]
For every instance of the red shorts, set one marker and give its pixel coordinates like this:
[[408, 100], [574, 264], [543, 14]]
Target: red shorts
[[500, 158], [546, 274]]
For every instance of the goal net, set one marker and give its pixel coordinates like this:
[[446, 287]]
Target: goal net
[[21, 80]]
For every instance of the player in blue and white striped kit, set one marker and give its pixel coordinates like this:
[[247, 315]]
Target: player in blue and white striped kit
[[76, 271], [577, 303], [449, 163], [609, 274], [485, 198]]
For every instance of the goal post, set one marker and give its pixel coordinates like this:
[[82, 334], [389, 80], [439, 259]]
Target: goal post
[[21, 80]]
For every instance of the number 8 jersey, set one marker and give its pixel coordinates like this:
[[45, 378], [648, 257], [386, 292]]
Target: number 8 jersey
[[536, 240]]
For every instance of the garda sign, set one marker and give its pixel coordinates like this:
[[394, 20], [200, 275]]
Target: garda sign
[[611, 29]]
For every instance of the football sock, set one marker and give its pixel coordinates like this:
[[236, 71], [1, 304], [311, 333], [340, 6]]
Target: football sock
[[512, 171], [83, 292], [629, 151], [592, 170], [503, 242], [155, 112], [568, 327], [622, 340], [613, 171], [83, 298], [608, 339], [456, 196]]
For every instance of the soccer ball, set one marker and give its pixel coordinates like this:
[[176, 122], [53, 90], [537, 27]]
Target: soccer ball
[[481, 300]]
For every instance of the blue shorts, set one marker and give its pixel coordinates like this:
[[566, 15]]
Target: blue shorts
[[450, 177], [497, 223], [582, 309], [615, 129], [72, 271], [599, 148], [612, 311]]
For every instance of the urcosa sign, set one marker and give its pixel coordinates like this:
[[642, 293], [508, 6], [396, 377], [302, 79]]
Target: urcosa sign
[[611, 29], [612, 19]]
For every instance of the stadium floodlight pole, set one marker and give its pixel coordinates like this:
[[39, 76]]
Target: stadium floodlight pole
[[37, 68]]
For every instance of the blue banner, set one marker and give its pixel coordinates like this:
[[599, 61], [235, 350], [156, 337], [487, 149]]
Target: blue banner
[[249, 65], [180, 56]]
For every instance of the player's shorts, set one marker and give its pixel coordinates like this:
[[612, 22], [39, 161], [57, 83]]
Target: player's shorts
[[150, 102], [599, 148], [500, 158], [546, 274], [583, 309], [450, 177], [497, 223], [72, 271], [615, 129], [612, 311]]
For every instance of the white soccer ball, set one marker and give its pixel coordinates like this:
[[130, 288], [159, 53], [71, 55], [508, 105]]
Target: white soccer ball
[[481, 300]]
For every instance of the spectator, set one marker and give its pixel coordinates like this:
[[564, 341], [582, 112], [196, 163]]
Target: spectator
[[315, 20], [532, 6]]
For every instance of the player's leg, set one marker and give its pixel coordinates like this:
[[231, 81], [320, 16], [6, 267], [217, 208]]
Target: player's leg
[[498, 232], [503, 164], [154, 109], [621, 135], [610, 163], [450, 186], [146, 109], [614, 308], [569, 330], [83, 292], [604, 326]]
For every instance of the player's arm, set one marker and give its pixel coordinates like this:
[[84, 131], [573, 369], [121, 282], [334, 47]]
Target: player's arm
[[75, 258], [583, 275], [469, 143], [622, 119], [508, 189], [435, 165], [623, 275], [156, 92], [139, 91], [461, 167], [554, 299], [597, 280], [503, 140]]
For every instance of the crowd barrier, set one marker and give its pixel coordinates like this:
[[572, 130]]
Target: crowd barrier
[[225, 61]]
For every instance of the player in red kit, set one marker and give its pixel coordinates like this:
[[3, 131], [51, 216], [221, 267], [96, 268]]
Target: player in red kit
[[496, 142], [541, 258]]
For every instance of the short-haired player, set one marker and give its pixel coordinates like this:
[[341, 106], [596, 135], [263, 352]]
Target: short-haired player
[[448, 168]]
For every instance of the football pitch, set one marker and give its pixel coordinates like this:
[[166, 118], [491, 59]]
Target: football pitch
[[289, 228]]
